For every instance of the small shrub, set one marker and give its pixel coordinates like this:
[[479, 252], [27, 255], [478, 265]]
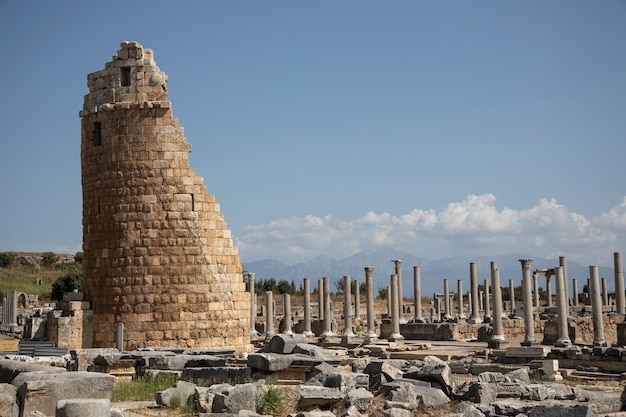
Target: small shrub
[[272, 401], [7, 260], [48, 259]]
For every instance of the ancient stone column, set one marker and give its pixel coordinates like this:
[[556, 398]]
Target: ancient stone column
[[328, 315], [605, 292], [475, 306], [369, 300], [398, 269], [417, 296], [357, 299], [487, 315], [596, 308], [548, 290], [12, 310], [446, 301], [307, 307], [562, 307], [512, 298], [269, 314], [395, 312], [389, 301], [575, 291], [287, 313], [497, 338], [347, 307], [563, 265], [529, 317], [119, 336], [536, 290], [459, 284], [157, 253], [481, 296], [320, 299], [253, 332], [620, 298]]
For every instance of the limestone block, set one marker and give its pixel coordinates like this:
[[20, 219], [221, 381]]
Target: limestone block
[[315, 396], [84, 407], [42, 390], [236, 398], [8, 401]]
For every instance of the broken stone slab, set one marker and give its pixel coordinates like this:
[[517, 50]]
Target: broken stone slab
[[554, 408], [10, 369], [403, 392], [270, 361], [510, 407], [466, 409], [283, 343], [180, 362], [82, 407], [85, 359], [434, 369], [606, 401], [181, 390], [487, 393], [432, 397], [390, 369], [397, 412], [316, 396], [42, 390], [518, 375], [560, 391], [313, 414], [217, 375], [315, 351], [360, 398], [236, 398], [8, 401], [203, 396], [331, 377], [405, 405]]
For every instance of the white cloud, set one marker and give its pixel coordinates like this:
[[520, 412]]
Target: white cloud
[[474, 225]]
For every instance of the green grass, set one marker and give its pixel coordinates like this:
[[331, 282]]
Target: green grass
[[143, 388], [23, 278]]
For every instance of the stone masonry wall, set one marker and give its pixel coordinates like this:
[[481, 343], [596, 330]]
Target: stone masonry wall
[[158, 256]]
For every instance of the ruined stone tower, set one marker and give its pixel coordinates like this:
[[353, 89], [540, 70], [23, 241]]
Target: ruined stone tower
[[158, 256]]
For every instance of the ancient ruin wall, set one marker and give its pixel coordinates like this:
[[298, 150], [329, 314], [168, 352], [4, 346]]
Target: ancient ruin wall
[[158, 256]]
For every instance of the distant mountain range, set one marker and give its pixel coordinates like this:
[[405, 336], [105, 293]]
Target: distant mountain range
[[432, 272]]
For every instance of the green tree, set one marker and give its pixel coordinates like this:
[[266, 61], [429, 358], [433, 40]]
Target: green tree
[[78, 258], [68, 282], [6, 260], [48, 259], [382, 293]]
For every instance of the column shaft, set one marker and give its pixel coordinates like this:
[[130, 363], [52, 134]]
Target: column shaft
[[307, 307], [269, 314], [417, 295], [347, 307], [529, 317], [395, 313], [328, 315], [475, 306], [287, 313], [562, 307], [620, 298], [596, 308], [369, 300], [496, 291]]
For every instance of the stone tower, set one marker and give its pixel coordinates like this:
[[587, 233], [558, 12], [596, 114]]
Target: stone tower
[[158, 256]]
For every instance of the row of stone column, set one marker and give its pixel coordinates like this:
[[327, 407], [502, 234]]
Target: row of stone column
[[396, 308]]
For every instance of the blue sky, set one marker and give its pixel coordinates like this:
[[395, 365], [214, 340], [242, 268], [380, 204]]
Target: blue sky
[[438, 128]]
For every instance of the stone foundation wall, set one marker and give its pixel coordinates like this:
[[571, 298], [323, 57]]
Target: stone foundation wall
[[158, 256]]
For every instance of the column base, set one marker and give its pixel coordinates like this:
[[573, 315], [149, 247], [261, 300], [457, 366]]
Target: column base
[[497, 344], [308, 333], [474, 320], [395, 337], [563, 343], [530, 343]]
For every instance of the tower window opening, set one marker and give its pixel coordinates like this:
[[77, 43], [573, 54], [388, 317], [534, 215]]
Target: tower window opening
[[125, 76], [97, 134], [192, 203]]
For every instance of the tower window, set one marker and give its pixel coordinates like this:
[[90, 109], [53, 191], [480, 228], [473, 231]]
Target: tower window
[[125, 76], [193, 208], [97, 134]]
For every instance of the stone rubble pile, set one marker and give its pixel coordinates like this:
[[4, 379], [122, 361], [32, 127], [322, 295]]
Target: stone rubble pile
[[313, 381]]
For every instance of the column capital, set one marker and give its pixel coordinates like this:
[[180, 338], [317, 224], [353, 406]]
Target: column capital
[[369, 269], [526, 263]]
